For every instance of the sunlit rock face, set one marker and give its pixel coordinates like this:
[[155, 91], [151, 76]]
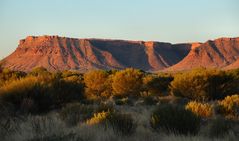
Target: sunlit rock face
[[60, 53], [219, 53]]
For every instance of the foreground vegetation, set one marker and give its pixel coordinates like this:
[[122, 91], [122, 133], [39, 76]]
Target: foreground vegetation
[[116, 105]]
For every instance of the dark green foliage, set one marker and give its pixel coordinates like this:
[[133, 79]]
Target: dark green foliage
[[170, 118]]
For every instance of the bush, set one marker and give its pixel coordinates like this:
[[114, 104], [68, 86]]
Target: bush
[[74, 113], [175, 119], [7, 76], [40, 94], [37, 71], [127, 82], [230, 106], [219, 127], [156, 84], [201, 109], [29, 88], [97, 84], [98, 118], [202, 84], [122, 124]]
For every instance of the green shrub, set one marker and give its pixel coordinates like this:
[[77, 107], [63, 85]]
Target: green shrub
[[202, 84], [174, 119]]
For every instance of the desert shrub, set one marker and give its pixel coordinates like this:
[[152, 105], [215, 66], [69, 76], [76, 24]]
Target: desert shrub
[[7, 76], [63, 91], [201, 109], [175, 119], [37, 71], [98, 118], [127, 82], [122, 124], [156, 84], [230, 106], [9, 121], [202, 84], [40, 94], [17, 92], [122, 101], [97, 84], [219, 127], [74, 113], [104, 107], [149, 100]]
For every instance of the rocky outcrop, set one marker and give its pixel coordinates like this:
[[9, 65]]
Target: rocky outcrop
[[212, 54], [61, 53]]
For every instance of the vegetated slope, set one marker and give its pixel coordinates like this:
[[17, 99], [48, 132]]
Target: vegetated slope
[[60, 53], [218, 53]]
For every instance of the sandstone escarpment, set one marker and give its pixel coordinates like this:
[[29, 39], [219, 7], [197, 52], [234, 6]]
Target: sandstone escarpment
[[61, 53]]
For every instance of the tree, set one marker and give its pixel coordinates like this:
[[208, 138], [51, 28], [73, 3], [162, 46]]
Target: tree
[[203, 84], [154, 84], [97, 84], [127, 82]]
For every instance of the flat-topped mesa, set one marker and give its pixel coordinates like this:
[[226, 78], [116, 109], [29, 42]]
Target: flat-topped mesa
[[62, 53], [227, 39]]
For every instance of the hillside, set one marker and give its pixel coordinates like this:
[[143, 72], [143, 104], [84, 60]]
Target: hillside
[[61, 53]]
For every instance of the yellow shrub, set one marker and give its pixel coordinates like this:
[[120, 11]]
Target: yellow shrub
[[200, 109], [127, 82], [98, 118], [98, 84], [230, 105]]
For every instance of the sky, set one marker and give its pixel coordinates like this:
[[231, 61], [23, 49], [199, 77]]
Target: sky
[[174, 21]]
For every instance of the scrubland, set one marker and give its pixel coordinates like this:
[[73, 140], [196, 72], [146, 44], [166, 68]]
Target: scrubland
[[197, 105]]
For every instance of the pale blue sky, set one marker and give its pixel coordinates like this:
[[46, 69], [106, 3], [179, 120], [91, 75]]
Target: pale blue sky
[[173, 21]]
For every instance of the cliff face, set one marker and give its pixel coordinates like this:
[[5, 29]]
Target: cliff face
[[213, 54], [60, 53]]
